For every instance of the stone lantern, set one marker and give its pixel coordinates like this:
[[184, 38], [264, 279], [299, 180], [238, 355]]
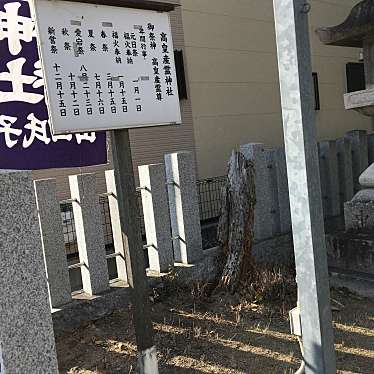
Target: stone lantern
[[356, 31], [354, 248]]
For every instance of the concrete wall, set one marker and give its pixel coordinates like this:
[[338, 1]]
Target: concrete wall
[[232, 66]]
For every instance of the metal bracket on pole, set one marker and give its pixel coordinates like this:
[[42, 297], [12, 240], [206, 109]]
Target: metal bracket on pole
[[296, 85]]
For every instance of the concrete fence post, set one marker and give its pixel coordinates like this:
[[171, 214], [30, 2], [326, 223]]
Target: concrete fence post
[[329, 178], [156, 216], [90, 236], [263, 226], [370, 138], [53, 242], [344, 148], [184, 207], [270, 156], [283, 193], [119, 245], [360, 155], [26, 332]]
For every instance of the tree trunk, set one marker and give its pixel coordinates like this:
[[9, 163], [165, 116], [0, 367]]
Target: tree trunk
[[235, 229]]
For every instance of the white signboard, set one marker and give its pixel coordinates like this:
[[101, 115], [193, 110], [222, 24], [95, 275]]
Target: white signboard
[[106, 67]]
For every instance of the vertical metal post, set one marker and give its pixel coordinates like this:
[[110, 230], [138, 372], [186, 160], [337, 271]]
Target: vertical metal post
[[296, 85], [130, 224]]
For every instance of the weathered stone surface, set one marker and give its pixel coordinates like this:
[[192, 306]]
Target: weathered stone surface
[[84, 310], [119, 246], [344, 156], [283, 193], [359, 215], [364, 196], [271, 158], [53, 242], [90, 236], [156, 216], [277, 251], [204, 271], [263, 225], [359, 144], [329, 178], [361, 101], [367, 177], [184, 207], [357, 31], [26, 333], [351, 251], [351, 33], [371, 147]]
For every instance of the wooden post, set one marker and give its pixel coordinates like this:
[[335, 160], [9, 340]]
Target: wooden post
[[130, 224]]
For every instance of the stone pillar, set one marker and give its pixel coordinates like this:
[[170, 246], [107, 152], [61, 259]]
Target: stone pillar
[[270, 156], [90, 236], [255, 152], [53, 242], [360, 160], [156, 216], [26, 333], [184, 207], [368, 49], [345, 170], [370, 138], [119, 245], [283, 193], [329, 178]]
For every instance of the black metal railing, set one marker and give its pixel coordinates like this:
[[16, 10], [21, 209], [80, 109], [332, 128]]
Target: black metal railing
[[107, 223], [209, 191], [68, 226]]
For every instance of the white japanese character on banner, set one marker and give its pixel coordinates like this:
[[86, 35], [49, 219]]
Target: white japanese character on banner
[[15, 27], [38, 72], [6, 123], [56, 138], [18, 80], [38, 131], [87, 136]]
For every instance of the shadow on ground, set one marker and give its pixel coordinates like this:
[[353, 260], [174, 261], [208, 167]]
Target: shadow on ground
[[216, 335]]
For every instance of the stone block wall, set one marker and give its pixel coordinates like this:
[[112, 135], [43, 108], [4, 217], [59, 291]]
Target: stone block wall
[[341, 163]]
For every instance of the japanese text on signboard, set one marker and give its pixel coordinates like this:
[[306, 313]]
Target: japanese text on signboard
[[107, 67]]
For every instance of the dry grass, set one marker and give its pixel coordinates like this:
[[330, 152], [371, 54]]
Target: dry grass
[[220, 334]]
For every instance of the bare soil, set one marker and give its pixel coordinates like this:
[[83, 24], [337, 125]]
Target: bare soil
[[220, 334]]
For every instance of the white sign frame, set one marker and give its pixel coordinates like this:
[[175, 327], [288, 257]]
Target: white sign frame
[[141, 93]]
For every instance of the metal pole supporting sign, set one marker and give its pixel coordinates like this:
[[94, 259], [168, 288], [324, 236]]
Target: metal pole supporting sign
[[130, 224], [295, 72]]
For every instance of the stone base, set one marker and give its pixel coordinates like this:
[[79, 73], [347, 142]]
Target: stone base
[[351, 251], [84, 308], [204, 271], [277, 251], [359, 215]]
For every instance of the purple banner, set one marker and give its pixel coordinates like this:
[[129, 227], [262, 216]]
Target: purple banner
[[26, 142]]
